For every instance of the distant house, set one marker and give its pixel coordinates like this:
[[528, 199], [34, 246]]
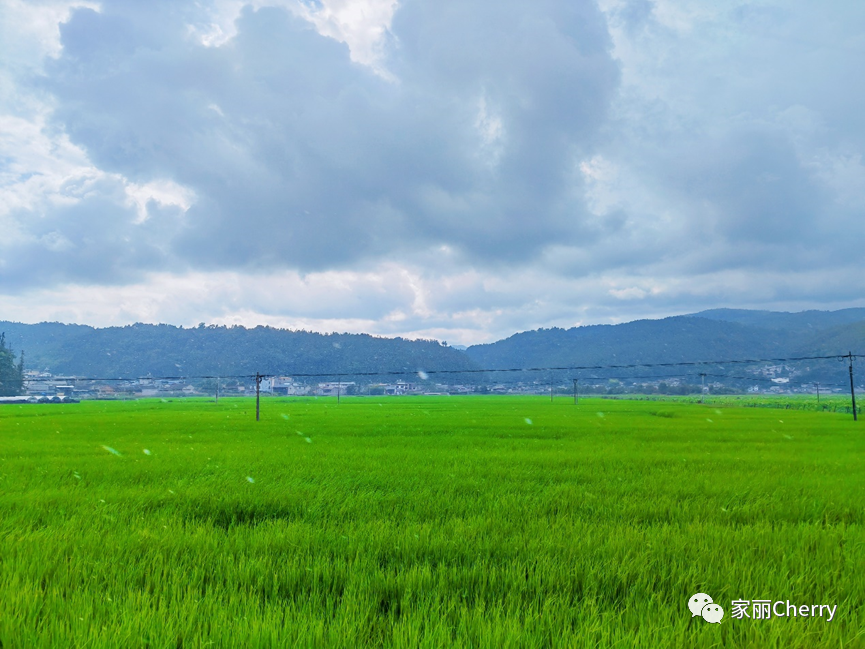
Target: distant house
[[283, 385], [64, 390], [38, 382], [400, 387], [333, 388]]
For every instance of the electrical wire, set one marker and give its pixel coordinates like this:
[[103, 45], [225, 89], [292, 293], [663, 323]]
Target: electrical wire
[[405, 372]]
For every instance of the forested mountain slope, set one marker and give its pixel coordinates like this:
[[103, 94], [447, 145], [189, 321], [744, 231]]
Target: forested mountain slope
[[164, 350], [803, 322], [680, 338]]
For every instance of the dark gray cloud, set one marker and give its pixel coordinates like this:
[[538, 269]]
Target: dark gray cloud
[[301, 158], [94, 237], [732, 130], [747, 186]]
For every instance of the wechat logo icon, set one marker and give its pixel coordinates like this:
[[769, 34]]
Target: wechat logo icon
[[701, 604]]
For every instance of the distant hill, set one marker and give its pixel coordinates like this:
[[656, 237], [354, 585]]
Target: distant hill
[[836, 340], [728, 334], [680, 338], [165, 350], [804, 322], [825, 342]]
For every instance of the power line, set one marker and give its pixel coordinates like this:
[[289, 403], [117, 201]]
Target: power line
[[589, 367], [721, 376], [765, 380], [404, 372]]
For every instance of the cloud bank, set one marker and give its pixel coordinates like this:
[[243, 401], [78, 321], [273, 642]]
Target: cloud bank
[[451, 169]]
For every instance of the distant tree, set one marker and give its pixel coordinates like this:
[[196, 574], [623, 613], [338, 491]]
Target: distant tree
[[11, 376]]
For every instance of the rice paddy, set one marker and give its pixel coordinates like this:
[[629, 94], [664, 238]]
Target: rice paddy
[[426, 522]]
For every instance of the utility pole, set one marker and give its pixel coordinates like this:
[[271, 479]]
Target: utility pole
[[818, 393], [551, 390], [702, 386], [338, 386], [575, 391], [258, 378], [217, 389], [852, 391]]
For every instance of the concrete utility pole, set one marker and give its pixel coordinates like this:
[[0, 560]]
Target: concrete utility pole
[[258, 378], [852, 391], [575, 391]]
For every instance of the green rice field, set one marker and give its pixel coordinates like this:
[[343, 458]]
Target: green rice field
[[426, 522], [838, 403]]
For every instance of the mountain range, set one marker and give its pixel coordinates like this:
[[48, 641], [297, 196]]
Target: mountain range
[[713, 335]]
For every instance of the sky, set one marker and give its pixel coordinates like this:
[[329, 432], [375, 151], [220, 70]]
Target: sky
[[458, 170]]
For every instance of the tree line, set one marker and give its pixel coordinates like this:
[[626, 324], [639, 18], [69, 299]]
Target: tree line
[[11, 375]]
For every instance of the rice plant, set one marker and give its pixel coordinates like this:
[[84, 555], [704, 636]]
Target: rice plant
[[425, 522]]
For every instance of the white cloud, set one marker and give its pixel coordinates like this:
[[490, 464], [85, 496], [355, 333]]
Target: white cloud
[[30, 29], [361, 24], [164, 192], [451, 169], [389, 299]]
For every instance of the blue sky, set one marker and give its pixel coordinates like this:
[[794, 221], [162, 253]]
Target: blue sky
[[457, 170]]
